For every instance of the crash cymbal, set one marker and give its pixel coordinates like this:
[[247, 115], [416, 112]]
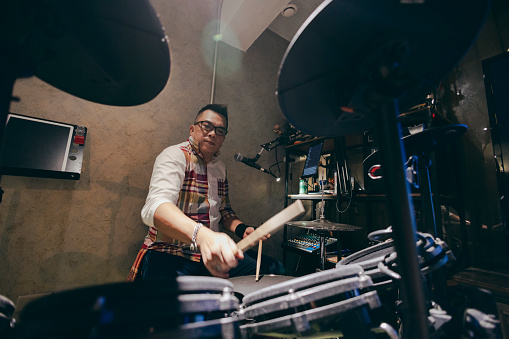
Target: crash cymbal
[[110, 52], [348, 51], [323, 225]]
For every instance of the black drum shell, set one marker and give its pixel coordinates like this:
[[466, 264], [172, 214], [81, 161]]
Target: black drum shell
[[192, 306]]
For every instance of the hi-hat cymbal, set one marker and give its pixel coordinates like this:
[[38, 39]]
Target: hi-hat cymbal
[[351, 50], [323, 225], [110, 52]]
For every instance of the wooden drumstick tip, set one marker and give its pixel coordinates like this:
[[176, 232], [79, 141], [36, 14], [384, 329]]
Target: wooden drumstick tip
[[258, 260]]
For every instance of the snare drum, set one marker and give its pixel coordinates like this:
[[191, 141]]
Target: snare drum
[[247, 284], [330, 302], [187, 307]]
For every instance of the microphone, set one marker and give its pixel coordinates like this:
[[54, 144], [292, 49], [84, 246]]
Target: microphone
[[251, 163]]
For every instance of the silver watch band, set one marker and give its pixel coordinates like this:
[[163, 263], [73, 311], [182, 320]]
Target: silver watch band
[[194, 246]]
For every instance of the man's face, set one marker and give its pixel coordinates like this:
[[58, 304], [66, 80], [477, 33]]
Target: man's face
[[209, 142]]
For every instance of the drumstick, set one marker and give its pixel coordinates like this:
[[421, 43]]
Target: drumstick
[[259, 260], [272, 225]]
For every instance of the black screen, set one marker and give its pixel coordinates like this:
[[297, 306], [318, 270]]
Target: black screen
[[312, 161], [32, 144], [42, 148]]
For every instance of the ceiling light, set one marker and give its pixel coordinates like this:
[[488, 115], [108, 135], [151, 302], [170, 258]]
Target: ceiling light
[[289, 10]]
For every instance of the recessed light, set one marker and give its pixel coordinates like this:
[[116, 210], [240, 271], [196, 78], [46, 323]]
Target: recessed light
[[289, 10]]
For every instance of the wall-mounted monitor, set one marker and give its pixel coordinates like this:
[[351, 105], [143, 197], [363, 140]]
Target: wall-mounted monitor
[[312, 161], [36, 147]]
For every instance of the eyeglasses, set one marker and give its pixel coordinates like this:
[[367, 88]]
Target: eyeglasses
[[208, 127]]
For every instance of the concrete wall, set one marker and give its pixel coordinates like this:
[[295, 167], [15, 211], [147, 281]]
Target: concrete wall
[[463, 100], [60, 234]]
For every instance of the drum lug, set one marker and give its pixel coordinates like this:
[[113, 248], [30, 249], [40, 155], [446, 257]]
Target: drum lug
[[300, 324]]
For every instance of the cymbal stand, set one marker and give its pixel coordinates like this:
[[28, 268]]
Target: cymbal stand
[[322, 234], [403, 218], [429, 218], [428, 209]]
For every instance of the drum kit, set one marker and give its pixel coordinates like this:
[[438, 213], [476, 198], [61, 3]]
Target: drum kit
[[344, 302], [351, 67]]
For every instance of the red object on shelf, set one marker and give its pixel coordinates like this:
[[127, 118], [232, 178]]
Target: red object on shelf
[[79, 139]]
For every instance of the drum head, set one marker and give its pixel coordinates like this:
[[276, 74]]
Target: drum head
[[247, 284]]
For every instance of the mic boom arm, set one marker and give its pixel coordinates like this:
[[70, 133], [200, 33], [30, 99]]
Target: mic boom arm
[[251, 162]]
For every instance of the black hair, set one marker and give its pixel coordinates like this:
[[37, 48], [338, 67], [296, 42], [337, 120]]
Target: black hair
[[217, 108]]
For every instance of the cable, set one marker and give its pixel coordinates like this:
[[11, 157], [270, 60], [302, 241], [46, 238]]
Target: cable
[[277, 162], [349, 202]]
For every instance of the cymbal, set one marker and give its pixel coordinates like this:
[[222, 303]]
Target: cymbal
[[323, 225], [337, 59], [428, 140], [110, 52]]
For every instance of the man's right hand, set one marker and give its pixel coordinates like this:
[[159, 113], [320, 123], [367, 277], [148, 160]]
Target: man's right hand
[[219, 252]]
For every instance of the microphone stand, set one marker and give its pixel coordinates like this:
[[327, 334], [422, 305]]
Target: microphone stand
[[282, 140], [252, 161], [257, 156]]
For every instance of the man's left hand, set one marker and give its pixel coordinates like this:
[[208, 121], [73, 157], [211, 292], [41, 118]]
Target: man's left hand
[[251, 229]]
